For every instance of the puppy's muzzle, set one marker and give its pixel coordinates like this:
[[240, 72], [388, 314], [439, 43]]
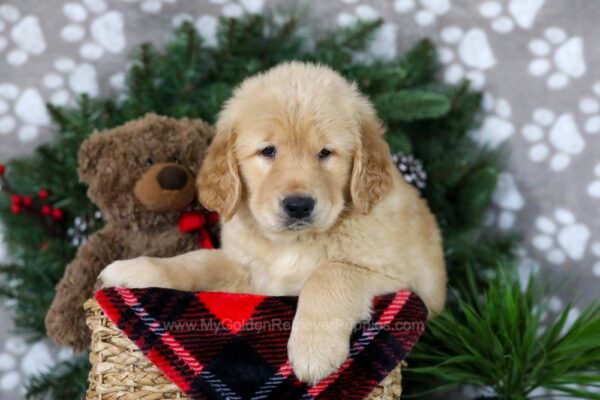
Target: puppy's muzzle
[[298, 208]]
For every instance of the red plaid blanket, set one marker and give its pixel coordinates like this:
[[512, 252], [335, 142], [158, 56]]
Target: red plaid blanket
[[234, 346]]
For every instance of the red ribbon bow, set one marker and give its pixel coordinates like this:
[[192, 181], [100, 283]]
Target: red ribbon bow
[[192, 221]]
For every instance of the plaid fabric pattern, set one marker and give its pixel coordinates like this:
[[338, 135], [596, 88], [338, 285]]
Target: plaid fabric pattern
[[234, 346]]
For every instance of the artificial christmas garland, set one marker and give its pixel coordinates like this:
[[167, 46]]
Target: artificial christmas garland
[[468, 344]]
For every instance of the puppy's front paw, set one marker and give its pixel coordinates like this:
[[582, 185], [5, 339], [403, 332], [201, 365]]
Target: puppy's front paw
[[316, 349], [139, 272]]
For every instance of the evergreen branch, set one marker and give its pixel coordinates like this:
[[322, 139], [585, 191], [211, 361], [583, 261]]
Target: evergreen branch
[[66, 380], [420, 64], [501, 341], [356, 38], [410, 105]]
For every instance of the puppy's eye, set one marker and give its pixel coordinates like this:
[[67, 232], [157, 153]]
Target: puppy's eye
[[149, 162], [324, 153], [268, 152]]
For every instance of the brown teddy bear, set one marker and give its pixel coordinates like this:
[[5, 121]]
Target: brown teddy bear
[[141, 176]]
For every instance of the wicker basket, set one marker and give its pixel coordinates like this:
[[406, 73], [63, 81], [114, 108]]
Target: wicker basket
[[121, 371]]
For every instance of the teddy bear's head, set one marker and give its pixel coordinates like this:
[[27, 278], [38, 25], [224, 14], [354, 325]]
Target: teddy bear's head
[[142, 172]]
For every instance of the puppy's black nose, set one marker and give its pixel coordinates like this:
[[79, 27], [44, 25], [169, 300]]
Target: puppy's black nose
[[172, 178], [298, 207]]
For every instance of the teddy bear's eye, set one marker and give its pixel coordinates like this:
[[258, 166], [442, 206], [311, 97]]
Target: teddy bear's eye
[[149, 162]]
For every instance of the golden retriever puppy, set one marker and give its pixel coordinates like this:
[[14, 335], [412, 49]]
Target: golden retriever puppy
[[312, 205]]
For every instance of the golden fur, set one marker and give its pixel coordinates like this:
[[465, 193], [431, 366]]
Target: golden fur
[[370, 232]]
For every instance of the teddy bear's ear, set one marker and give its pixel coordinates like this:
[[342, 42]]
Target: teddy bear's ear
[[89, 154], [205, 131]]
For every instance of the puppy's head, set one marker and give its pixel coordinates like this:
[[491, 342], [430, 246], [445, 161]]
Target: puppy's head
[[296, 145]]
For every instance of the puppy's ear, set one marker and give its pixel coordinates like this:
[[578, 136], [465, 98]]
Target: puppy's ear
[[218, 182], [371, 177]]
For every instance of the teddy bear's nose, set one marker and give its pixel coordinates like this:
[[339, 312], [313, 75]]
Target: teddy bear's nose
[[172, 178]]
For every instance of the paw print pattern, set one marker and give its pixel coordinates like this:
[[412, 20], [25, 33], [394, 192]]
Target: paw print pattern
[[152, 6], [496, 127], [236, 9], [383, 43], [3, 250], [10, 381], [561, 237], [117, 81], [505, 15], [554, 137], [21, 111], [508, 201], [19, 360], [593, 188], [590, 107], [68, 79], [466, 55], [207, 25], [362, 12], [558, 57], [426, 11], [527, 265], [555, 304], [105, 32], [21, 36], [595, 247]]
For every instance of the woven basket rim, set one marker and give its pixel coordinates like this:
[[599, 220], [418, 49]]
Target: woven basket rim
[[121, 371]]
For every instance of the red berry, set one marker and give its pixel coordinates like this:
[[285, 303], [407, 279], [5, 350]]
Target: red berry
[[46, 209], [15, 209], [58, 214], [15, 200], [43, 194], [27, 201], [2, 169], [44, 246]]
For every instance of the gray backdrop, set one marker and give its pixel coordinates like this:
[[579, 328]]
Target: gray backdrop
[[536, 59]]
